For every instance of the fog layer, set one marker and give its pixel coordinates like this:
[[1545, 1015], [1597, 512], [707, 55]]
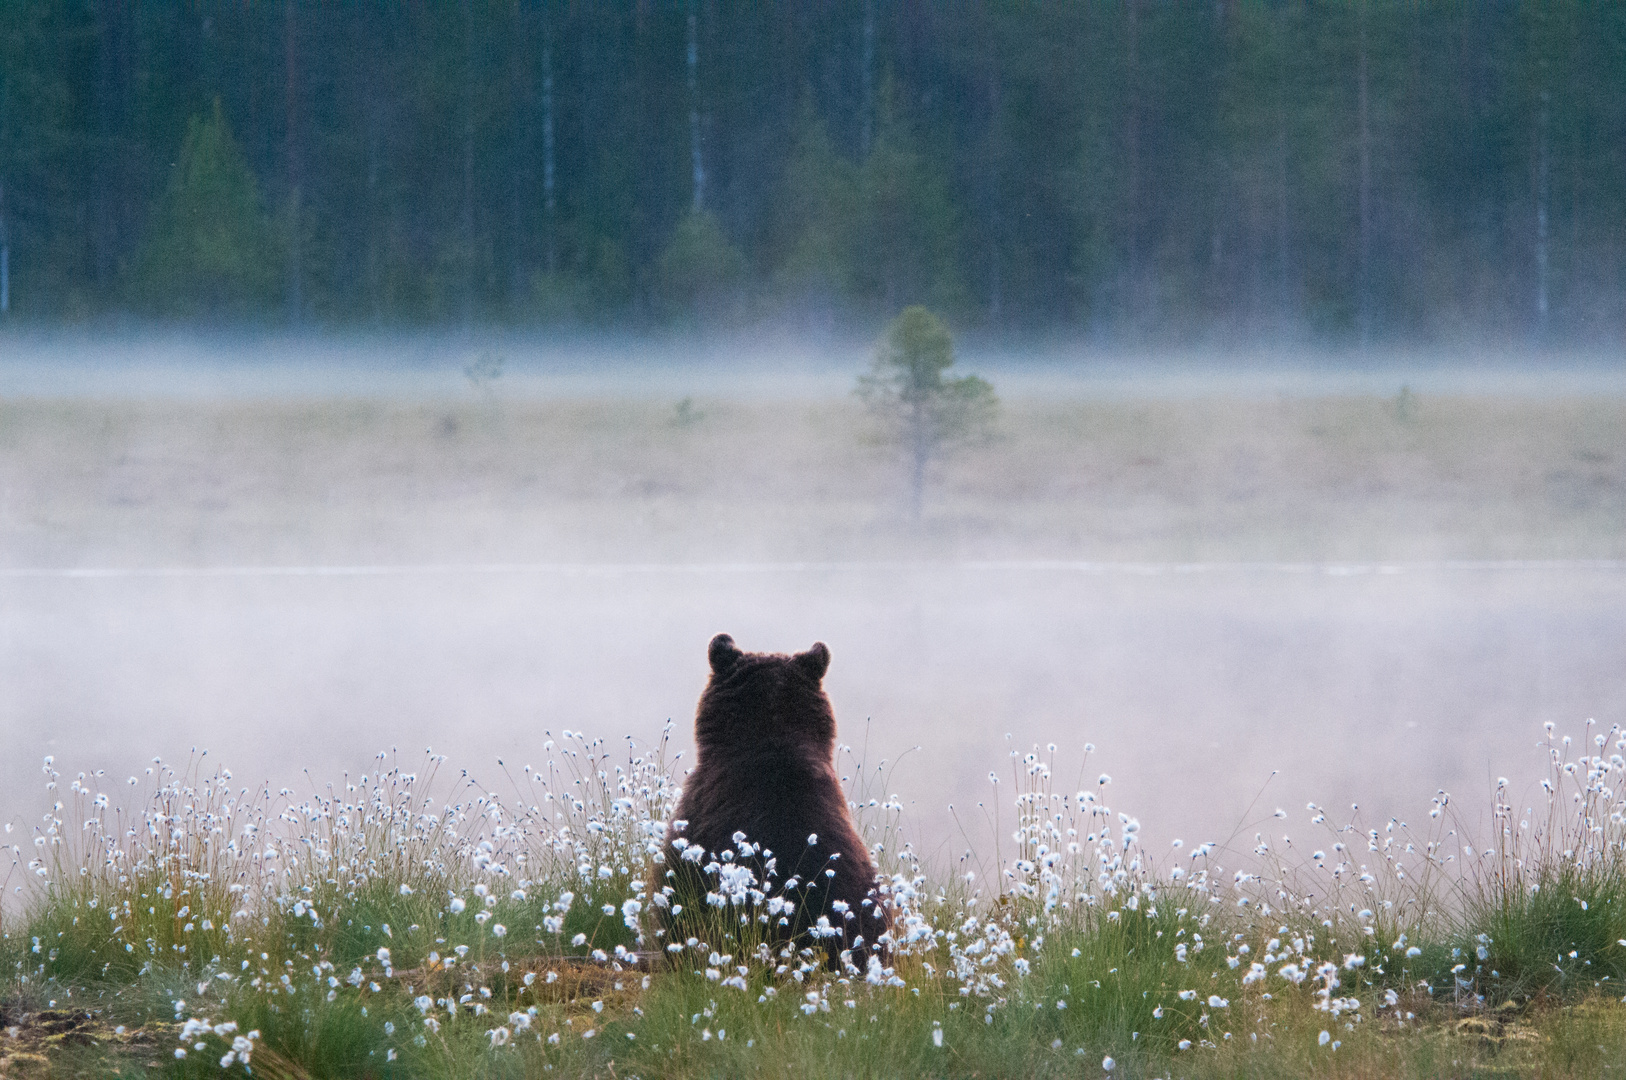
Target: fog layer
[[1372, 596]]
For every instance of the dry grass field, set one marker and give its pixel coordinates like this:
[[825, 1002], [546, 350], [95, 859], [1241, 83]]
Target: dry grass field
[[86, 483]]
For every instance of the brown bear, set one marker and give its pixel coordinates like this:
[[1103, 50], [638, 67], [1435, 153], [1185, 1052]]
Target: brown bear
[[764, 797]]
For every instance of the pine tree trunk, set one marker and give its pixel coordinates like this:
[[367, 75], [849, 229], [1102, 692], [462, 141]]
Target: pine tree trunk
[[920, 452], [866, 76], [466, 219], [109, 185], [550, 252], [996, 298], [295, 271], [375, 290], [1132, 166], [523, 149], [1283, 194], [5, 255], [1365, 265], [1542, 172], [375, 88], [696, 160]]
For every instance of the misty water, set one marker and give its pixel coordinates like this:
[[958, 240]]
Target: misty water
[[1249, 582]]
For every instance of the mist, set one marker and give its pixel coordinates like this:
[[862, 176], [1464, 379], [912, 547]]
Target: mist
[[1247, 581], [377, 379]]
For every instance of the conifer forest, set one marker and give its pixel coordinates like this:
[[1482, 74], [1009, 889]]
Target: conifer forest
[[1360, 171]]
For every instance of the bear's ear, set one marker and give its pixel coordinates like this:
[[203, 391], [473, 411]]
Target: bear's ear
[[722, 652], [815, 661]]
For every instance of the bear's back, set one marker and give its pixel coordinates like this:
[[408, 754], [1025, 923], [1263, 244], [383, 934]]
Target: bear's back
[[765, 744]]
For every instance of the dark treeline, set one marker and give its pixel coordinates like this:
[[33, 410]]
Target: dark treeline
[[1351, 171]]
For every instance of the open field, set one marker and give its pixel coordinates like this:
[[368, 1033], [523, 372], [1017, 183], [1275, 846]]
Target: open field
[[357, 481]]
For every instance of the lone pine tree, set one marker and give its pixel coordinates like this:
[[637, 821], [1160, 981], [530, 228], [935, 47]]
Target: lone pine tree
[[924, 412]]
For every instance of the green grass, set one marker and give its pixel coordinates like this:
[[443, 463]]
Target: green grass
[[386, 931]]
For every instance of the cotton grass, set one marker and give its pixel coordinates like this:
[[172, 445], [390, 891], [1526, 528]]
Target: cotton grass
[[406, 920]]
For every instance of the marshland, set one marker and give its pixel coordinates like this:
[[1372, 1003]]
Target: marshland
[[1198, 433], [1309, 639]]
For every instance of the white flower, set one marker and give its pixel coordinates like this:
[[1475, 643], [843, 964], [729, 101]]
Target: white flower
[[1324, 1038], [1107, 1063], [458, 905]]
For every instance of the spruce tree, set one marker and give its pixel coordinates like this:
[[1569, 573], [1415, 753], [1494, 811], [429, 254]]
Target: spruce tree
[[210, 248]]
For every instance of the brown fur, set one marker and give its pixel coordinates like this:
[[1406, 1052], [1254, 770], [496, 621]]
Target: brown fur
[[765, 736]]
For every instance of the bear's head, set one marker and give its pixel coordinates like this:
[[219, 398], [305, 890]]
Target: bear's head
[[761, 700]]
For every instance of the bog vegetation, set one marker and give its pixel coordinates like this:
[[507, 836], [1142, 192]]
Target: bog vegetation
[[399, 924]]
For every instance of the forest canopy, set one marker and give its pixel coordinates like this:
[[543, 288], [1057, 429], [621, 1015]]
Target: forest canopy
[[1345, 171]]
